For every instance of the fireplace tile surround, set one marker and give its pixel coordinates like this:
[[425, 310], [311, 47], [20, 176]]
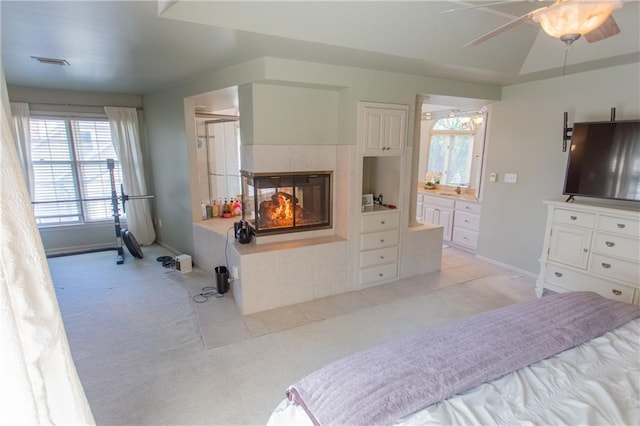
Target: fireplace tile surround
[[285, 269]]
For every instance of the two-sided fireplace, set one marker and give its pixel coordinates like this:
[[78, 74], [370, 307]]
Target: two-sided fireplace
[[274, 203]]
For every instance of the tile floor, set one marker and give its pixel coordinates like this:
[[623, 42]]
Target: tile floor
[[221, 323]]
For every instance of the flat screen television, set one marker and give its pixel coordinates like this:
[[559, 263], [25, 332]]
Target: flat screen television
[[604, 160]]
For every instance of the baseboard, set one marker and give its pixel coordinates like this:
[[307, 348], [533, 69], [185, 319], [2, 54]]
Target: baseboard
[[168, 247], [505, 265]]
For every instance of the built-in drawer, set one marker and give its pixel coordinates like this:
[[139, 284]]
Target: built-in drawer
[[465, 238], [466, 220], [378, 273], [617, 246], [615, 268], [439, 201], [379, 221], [574, 281], [378, 240], [572, 217], [619, 225], [468, 207], [378, 257]]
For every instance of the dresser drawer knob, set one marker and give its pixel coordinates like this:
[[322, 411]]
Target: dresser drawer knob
[[466, 221], [606, 265], [381, 274], [573, 217], [382, 222], [558, 274], [381, 240], [621, 225], [382, 257], [610, 243], [616, 292]]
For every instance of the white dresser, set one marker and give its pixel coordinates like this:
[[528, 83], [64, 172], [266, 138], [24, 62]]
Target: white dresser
[[379, 238], [591, 247]]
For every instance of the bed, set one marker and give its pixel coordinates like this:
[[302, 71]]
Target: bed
[[569, 358]]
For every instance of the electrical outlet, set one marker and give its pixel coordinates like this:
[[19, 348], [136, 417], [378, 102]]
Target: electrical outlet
[[493, 177]]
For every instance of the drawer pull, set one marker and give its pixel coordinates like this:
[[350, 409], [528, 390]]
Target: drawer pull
[[606, 265], [558, 274], [467, 207], [621, 225], [382, 257], [382, 222], [573, 217], [466, 221], [382, 240], [381, 274], [610, 243], [616, 292]]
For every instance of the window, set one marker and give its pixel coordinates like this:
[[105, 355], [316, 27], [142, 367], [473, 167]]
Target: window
[[71, 179], [451, 149]]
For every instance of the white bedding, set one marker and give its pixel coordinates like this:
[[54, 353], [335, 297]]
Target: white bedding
[[597, 382]]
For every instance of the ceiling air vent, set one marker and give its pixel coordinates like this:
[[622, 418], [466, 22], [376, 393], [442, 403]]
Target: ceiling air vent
[[51, 61]]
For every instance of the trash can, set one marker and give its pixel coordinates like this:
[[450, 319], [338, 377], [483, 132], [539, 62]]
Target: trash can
[[222, 279]]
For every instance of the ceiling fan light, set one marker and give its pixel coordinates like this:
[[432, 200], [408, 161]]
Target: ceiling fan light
[[574, 17]]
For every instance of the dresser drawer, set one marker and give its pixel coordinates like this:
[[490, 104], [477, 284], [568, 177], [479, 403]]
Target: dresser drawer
[[468, 207], [378, 257], [617, 246], [572, 217], [465, 238], [466, 221], [574, 281], [377, 240], [378, 273], [617, 225], [615, 268], [379, 222]]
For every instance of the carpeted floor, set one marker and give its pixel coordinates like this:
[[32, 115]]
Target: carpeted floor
[[147, 354]]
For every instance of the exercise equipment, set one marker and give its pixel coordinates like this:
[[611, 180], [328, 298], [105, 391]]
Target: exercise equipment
[[123, 234]]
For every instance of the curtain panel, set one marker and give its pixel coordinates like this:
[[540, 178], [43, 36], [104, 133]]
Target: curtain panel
[[125, 135], [22, 139], [39, 384]]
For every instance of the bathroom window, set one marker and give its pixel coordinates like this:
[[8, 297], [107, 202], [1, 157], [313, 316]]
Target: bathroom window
[[71, 179], [451, 149]]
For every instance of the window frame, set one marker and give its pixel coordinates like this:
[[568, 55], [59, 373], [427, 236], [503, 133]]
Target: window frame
[[78, 174]]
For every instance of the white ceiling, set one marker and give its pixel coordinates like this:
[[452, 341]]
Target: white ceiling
[[126, 47]]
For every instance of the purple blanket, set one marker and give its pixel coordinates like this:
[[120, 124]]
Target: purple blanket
[[387, 382]]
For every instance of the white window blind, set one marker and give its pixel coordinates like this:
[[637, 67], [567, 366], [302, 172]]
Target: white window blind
[[71, 178]]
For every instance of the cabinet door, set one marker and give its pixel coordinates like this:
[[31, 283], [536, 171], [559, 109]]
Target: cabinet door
[[570, 245], [445, 219], [430, 215], [374, 132], [395, 133]]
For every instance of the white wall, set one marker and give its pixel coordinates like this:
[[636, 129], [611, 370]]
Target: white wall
[[525, 137]]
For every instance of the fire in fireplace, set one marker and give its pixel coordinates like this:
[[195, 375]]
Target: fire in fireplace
[[286, 202]]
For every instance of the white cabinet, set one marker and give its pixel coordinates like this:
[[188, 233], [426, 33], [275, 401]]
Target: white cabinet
[[379, 240], [591, 247], [437, 211], [466, 224], [383, 128]]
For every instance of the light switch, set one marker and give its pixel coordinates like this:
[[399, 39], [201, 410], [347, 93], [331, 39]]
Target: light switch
[[510, 177], [493, 177]]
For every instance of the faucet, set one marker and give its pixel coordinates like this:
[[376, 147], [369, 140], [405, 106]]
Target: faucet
[[458, 190]]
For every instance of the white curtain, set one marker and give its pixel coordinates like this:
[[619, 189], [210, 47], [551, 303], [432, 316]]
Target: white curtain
[[22, 139], [126, 140], [38, 380]]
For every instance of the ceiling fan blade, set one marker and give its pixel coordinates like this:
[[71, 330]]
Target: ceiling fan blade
[[607, 29], [501, 29], [479, 6]]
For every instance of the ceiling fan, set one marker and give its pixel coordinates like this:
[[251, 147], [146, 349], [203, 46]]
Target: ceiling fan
[[567, 20]]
